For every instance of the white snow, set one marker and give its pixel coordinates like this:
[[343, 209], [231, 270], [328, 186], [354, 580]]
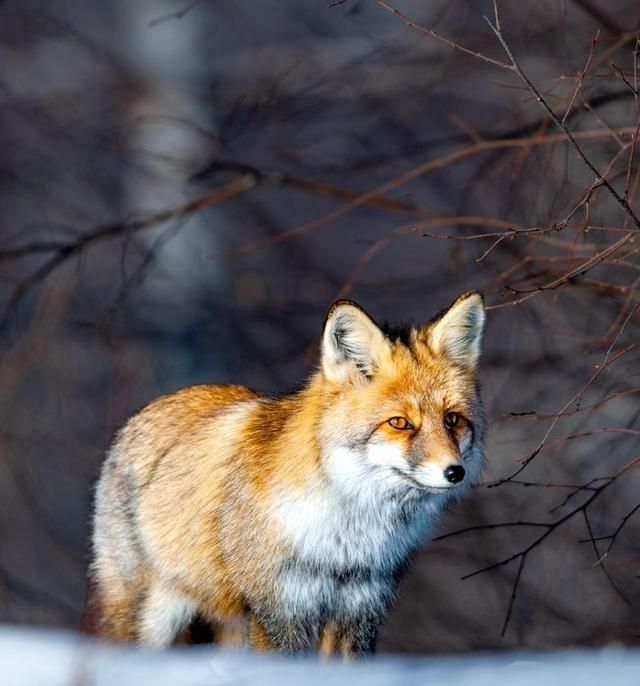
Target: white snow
[[32, 657]]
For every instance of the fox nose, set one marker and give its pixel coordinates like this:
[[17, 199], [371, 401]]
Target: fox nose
[[454, 474]]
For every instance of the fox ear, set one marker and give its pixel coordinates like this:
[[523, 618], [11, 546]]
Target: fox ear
[[458, 332], [353, 347]]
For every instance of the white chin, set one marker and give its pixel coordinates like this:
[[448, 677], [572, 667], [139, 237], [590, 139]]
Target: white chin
[[411, 480], [429, 488], [437, 489]]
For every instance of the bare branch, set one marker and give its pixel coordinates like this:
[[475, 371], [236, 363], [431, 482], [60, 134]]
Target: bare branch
[[515, 66], [64, 251], [437, 36]]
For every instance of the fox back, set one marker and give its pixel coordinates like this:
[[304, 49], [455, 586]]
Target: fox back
[[285, 523]]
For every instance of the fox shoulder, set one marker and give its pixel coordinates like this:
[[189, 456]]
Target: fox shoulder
[[168, 418]]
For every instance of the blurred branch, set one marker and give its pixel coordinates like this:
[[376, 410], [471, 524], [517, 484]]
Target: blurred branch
[[422, 170], [179, 14], [597, 15], [276, 178], [62, 251], [67, 248], [592, 105]]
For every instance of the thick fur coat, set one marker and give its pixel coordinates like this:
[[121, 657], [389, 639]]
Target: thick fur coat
[[285, 523]]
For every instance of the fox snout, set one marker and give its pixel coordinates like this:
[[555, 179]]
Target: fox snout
[[440, 475]]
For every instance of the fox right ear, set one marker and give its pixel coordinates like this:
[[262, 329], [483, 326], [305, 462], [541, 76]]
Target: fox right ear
[[458, 332], [353, 347]]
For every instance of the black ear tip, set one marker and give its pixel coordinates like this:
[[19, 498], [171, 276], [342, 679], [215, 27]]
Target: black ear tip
[[345, 305], [471, 294]]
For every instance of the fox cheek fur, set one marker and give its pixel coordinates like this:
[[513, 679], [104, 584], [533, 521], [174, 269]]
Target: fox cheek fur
[[285, 523]]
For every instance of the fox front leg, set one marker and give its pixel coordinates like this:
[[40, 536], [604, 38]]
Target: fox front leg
[[267, 634], [349, 639]]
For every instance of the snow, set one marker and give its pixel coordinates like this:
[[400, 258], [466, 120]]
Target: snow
[[32, 657]]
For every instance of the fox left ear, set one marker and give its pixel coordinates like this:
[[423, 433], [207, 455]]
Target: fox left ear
[[458, 332], [353, 347]]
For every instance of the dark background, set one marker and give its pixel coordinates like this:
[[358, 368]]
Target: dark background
[[112, 112]]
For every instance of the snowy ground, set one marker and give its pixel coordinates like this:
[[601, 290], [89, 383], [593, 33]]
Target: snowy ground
[[41, 658]]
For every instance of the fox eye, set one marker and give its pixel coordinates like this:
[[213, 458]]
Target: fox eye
[[451, 419], [400, 423]]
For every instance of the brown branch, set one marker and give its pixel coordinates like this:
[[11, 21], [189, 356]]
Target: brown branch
[[579, 270], [580, 77], [634, 143], [441, 38], [422, 170], [574, 399], [515, 67], [541, 416], [622, 76], [620, 331], [539, 273], [320, 188]]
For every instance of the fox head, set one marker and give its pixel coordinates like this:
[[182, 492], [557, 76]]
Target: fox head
[[402, 411]]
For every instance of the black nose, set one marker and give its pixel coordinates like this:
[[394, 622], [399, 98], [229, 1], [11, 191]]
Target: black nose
[[454, 474]]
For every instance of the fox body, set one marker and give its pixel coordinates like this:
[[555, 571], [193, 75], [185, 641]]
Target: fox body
[[287, 522]]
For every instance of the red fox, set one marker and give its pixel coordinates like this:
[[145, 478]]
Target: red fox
[[288, 521]]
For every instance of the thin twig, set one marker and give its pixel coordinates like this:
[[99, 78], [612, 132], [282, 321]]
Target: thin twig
[[437, 36], [580, 76], [620, 331], [512, 599], [515, 66]]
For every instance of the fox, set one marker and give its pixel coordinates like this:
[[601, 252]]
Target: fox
[[287, 522]]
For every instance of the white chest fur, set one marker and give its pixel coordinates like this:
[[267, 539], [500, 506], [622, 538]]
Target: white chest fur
[[346, 549]]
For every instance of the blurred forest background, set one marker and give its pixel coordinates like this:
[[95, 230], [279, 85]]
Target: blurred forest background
[[186, 186]]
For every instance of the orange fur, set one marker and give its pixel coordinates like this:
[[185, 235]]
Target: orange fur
[[189, 505]]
